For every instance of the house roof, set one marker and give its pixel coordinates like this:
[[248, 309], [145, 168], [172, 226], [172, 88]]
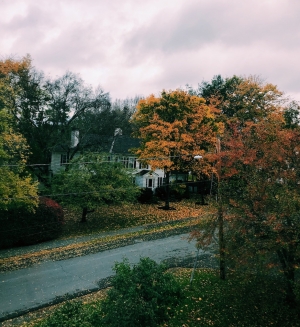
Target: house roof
[[124, 143], [120, 144], [145, 171]]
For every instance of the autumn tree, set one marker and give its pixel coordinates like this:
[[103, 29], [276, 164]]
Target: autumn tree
[[173, 128], [261, 163], [241, 101], [257, 175], [241, 98], [17, 188], [90, 181]]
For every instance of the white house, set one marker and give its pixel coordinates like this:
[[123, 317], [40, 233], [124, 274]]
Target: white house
[[117, 148]]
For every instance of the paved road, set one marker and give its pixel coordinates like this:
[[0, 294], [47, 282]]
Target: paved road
[[34, 287]]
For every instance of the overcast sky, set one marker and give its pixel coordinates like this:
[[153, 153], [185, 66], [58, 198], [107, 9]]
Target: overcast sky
[[131, 47]]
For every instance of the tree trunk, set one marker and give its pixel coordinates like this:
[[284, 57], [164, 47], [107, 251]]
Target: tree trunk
[[85, 211], [221, 242], [167, 202], [287, 260], [84, 214]]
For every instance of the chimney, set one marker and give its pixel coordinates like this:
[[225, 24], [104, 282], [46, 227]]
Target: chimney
[[74, 138], [118, 131]]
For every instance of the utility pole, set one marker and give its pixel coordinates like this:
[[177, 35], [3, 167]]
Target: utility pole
[[220, 215]]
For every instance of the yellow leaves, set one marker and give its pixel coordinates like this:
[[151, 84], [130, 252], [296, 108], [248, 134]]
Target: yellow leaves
[[11, 65], [177, 125], [16, 188]]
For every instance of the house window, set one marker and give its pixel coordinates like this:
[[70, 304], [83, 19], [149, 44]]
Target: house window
[[125, 162], [159, 181], [63, 159], [131, 163]]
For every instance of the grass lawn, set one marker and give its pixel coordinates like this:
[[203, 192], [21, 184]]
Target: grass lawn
[[250, 302]]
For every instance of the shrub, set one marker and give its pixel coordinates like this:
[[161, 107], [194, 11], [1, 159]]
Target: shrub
[[141, 296], [71, 314], [21, 227], [177, 192], [146, 195]]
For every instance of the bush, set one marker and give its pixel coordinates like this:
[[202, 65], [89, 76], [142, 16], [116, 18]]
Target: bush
[[177, 192], [141, 296], [71, 314], [21, 227], [146, 195]]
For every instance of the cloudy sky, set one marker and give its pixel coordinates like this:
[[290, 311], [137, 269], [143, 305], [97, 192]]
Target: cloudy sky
[[131, 47]]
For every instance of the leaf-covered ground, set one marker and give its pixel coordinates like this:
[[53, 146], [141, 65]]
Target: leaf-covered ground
[[128, 215], [159, 223]]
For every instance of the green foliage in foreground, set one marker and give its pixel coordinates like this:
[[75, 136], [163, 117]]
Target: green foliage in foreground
[[72, 314], [256, 301], [238, 301], [141, 296]]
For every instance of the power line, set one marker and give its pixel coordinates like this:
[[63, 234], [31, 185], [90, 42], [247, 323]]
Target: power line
[[104, 191], [92, 162], [108, 190]]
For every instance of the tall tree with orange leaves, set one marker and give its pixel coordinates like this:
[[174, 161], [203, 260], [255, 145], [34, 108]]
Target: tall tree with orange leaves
[[255, 160], [173, 128], [261, 167]]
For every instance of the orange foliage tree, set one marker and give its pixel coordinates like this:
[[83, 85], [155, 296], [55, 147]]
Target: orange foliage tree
[[8, 68], [173, 128], [260, 166], [253, 162]]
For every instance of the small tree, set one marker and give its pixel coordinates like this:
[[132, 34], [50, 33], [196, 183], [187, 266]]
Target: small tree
[[90, 181]]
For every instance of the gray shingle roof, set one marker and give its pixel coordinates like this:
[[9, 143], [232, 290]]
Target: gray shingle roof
[[103, 143]]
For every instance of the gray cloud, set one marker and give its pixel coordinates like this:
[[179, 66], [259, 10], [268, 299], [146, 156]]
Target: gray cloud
[[235, 23], [144, 46]]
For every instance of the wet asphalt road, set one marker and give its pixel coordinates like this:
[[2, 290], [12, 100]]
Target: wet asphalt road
[[27, 289]]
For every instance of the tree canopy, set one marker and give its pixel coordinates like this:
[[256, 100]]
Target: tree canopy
[[46, 110], [17, 188], [258, 173], [174, 128], [90, 181]]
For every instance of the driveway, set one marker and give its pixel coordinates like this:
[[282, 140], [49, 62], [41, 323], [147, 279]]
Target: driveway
[[46, 283]]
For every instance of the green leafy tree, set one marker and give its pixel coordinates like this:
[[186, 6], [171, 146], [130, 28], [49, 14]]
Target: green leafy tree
[[45, 110], [90, 181], [17, 188]]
